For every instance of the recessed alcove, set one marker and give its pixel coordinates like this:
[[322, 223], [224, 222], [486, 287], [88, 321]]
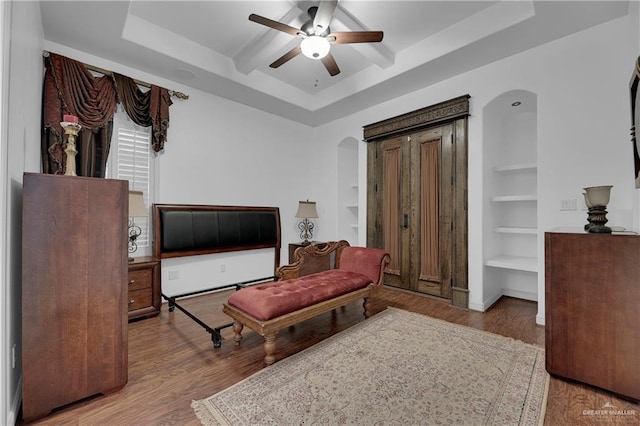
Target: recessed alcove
[[510, 207], [347, 190]]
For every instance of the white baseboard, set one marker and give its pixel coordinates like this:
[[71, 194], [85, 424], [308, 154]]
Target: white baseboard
[[526, 295], [482, 307], [12, 414], [477, 307], [486, 304]]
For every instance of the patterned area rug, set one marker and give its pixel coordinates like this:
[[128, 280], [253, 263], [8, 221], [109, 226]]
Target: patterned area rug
[[396, 368]]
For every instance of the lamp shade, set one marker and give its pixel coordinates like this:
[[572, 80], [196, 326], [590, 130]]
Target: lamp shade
[[315, 47], [307, 209], [136, 205]]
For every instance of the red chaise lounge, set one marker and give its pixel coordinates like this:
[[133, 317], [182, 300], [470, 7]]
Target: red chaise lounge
[[322, 278]]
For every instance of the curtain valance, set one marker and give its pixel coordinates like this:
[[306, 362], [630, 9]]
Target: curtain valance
[[150, 108], [71, 88]]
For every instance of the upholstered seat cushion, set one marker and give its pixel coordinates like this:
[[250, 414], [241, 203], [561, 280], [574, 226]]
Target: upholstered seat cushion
[[267, 301]]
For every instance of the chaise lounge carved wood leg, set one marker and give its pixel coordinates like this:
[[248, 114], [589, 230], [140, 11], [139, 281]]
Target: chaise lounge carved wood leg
[[367, 307], [237, 329], [270, 348]]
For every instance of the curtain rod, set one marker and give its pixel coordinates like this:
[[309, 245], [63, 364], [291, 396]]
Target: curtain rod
[[175, 93]]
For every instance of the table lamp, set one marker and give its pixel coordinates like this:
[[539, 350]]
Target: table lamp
[[136, 209], [306, 210]]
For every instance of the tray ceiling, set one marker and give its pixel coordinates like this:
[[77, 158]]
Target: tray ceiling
[[212, 46]]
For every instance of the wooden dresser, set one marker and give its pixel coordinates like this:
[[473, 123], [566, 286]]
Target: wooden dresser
[[144, 287], [592, 302], [74, 294]]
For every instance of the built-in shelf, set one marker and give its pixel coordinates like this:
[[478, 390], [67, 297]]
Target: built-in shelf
[[511, 235], [515, 230], [348, 190], [519, 263], [522, 167], [506, 198]]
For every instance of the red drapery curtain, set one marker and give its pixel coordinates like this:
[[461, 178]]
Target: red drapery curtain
[[70, 88], [150, 108]]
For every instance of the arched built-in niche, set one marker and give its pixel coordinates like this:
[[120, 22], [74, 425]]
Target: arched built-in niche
[[347, 190], [510, 234]]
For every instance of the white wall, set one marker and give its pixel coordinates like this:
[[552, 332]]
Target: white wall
[[223, 153], [20, 141], [583, 128]]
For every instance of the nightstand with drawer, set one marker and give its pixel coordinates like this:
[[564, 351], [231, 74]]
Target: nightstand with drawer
[[144, 287]]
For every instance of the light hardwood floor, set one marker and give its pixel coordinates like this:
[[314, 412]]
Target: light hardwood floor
[[172, 361]]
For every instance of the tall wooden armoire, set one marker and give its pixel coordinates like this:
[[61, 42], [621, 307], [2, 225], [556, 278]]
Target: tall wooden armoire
[[74, 290]]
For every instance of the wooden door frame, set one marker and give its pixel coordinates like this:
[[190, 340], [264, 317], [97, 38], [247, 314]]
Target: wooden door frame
[[454, 111]]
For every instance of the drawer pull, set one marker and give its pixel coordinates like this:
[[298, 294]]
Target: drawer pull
[[131, 302], [131, 281]]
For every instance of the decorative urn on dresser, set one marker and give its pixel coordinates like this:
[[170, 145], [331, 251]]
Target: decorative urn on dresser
[[596, 199], [74, 290]]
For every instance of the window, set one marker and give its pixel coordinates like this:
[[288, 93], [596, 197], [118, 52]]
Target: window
[[131, 159]]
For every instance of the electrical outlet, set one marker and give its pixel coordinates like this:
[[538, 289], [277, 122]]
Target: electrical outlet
[[174, 275]]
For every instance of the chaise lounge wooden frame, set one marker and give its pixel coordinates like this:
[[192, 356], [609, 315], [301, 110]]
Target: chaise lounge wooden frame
[[307, 260]]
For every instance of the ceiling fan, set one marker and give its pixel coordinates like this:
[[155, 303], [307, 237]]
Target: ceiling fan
[[317, 36]]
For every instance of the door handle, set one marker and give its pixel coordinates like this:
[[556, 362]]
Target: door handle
[[405, 221]]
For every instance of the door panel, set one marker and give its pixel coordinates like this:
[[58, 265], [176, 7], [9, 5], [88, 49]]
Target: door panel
[[392, 189], [414, 196], [431, 190]]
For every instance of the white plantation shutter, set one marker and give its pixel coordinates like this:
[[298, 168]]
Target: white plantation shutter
[[131, 159]]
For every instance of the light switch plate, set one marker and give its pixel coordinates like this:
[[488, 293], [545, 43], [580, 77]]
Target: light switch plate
[[570, 204]]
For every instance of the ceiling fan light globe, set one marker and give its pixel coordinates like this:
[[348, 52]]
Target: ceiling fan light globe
[[315, 47]]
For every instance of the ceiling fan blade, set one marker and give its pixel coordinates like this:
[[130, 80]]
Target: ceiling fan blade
[[330, 64], [286, 57], [357, 37], [323, 16], [274, 24]]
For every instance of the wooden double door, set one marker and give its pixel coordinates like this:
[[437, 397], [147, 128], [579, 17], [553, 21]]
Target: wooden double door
[[417, 209]]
